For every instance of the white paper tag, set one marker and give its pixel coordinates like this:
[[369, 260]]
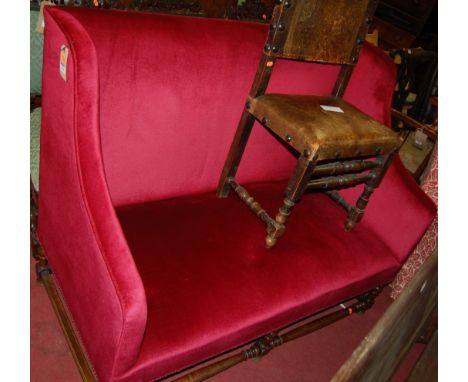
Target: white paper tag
[[336, 109], [420, 139], [63, 61]]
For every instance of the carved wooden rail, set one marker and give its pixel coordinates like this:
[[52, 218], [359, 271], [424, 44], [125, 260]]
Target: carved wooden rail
[[260, 10], [265, 344], [339, 181], [338, 168]]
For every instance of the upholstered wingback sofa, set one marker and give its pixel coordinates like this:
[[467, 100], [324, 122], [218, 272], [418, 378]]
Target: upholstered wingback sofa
[[156, 273]]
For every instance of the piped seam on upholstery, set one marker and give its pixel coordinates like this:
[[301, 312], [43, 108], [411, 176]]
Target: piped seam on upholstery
[[83, 193]]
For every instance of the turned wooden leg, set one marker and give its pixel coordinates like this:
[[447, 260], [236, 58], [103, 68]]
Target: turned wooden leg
[[294, 191], [356, 212]]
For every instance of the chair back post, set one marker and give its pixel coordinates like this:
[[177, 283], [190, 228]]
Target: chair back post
[[331, 31], [274, 40]]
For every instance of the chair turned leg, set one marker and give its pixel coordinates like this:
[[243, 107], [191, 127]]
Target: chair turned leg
[[356, 213], [273, 233], [235, 153], [294, 191]]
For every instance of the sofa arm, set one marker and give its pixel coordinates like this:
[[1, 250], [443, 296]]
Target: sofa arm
[[77, 226]]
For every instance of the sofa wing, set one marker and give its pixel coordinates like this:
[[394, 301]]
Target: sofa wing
[[78, 227]]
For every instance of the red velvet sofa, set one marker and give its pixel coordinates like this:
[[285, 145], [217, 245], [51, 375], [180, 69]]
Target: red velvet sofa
[[157, 274]]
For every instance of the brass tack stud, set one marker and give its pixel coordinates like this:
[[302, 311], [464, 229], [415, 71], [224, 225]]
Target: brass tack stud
[[354, 59], [265, 120], [288, 138], [274, 49], [378, 150], [337, 154], [306, 152], [368, 20], [358, 152], [287, 3], [267, 47], [281, 26], [247, 105], [270, 241], [279, 2], [359, 41]]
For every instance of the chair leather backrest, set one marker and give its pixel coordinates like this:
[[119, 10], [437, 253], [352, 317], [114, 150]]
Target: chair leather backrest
[[329, 31]]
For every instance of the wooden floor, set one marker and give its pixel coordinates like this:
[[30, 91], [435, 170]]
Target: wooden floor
[[413, 156]]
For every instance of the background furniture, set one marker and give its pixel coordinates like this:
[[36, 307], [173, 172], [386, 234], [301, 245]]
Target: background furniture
[[133, 233], [35, 60], [429, 241], [416, 83], [407, 320], [401, 22], [249, 9]]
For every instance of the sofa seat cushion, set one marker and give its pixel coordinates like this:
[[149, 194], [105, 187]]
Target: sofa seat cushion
[[211, 284]]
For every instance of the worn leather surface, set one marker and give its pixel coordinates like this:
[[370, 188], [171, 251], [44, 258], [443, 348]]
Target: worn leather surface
[[324, 31], [350, 133]]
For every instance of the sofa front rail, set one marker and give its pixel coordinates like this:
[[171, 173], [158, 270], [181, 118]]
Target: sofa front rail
[[265, 344]]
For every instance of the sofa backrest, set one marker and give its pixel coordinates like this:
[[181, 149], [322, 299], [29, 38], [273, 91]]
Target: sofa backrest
[[172, 89]]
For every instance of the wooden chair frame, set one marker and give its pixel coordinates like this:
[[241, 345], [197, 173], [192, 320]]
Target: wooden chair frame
[[289, 37]]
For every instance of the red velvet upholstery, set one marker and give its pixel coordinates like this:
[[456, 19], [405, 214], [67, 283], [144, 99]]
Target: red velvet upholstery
[[147, 113], [78, 227], [218, 286]]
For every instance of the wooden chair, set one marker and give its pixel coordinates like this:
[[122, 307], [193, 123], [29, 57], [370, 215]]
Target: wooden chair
[[332, 139]]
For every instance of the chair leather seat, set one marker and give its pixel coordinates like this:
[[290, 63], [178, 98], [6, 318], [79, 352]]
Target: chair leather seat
[[335, 134]]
